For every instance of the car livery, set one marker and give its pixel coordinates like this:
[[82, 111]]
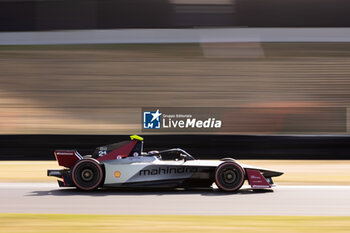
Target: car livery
[[125, 165]]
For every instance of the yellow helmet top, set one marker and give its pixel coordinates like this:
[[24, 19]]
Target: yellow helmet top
[[136, 137]]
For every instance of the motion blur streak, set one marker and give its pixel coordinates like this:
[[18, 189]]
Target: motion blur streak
[[99, 89]]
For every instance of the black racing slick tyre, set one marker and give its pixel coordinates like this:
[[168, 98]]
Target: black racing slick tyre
[[229, 176], [87, 174]]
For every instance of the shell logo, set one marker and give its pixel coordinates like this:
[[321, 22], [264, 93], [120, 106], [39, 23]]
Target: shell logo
[[117, 174]]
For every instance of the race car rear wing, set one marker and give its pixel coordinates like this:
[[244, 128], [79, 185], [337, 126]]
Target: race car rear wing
[[67, 158]]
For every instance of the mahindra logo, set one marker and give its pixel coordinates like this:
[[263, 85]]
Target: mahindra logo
[[167, 170]]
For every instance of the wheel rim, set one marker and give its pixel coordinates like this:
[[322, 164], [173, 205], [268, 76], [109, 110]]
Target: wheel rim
[[229, 176], [87, 175]]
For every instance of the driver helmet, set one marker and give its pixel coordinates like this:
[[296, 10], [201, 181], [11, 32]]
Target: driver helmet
[[155, 153]]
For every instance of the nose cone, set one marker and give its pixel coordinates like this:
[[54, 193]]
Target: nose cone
[[270, 173]]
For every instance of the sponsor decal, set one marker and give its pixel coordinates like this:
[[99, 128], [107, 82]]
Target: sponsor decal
[[117, 174], [65, 153], [260, 186], [55, 173], [167, 170]]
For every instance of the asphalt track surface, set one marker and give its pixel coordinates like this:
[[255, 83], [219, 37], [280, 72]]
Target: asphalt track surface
[[282, 200]]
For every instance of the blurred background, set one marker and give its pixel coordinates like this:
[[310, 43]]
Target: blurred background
[[76, 74], [33, 15], [88, 67]]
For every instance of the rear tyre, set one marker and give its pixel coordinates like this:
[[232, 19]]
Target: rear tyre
[[229, 176], [87, 174]]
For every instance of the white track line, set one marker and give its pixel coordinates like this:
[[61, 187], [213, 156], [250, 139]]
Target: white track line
[[146, 36]]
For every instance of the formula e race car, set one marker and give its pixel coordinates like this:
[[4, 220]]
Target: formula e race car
[[124, 164]]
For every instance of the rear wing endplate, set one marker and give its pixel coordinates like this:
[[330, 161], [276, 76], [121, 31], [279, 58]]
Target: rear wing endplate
[[67, 158]]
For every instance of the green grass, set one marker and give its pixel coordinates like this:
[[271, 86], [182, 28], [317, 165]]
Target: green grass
[[169, 223]]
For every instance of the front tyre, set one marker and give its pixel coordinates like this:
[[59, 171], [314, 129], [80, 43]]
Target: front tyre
[[229, 176], [87, 174]]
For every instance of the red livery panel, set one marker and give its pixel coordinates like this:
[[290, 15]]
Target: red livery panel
[[256, 179], [67, 158], [122, 151]]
